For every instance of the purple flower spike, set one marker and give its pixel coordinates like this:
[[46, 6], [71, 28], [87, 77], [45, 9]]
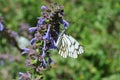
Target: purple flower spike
[[25, 50], [43, 7], [32, 29], [47, 35], [1, 27], [33, 40], [65, 23]]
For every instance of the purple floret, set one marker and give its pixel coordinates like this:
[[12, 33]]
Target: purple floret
[[1, 27], [32, 29], [43, 8]]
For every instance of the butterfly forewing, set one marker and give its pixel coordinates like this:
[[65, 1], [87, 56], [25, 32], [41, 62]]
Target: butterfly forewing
[[59, 42], [81, 49], [63, 51]]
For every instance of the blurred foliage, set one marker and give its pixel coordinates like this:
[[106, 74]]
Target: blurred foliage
[[94, 23]]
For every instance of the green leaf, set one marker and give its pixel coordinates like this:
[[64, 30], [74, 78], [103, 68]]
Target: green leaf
[[34, 61]]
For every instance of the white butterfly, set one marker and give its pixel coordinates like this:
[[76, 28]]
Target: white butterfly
[[68, 46]]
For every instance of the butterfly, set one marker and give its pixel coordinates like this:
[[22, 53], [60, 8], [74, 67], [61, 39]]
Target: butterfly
[[68, 46]]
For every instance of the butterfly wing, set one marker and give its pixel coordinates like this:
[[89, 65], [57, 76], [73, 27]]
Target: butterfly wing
[[68, 46], [75, 47], [60, 45], [59, 40], [63, 51]]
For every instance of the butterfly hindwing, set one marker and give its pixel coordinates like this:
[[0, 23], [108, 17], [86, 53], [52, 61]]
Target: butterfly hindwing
[[77, 46], [73, 51]]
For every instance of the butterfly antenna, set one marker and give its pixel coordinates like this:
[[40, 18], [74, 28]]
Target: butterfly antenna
[[61, 34]]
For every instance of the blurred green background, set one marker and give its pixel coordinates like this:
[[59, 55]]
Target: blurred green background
[[94, 23]]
